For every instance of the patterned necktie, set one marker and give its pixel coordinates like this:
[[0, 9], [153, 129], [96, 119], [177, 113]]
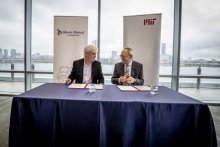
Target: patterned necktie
[[126, 72]]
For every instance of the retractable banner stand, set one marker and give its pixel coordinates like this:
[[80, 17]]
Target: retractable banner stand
[[70, 39], [142, 34]]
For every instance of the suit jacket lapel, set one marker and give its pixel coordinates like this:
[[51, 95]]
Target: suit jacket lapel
[[122, 69], [81, 69], [93, 70], [132, 69]]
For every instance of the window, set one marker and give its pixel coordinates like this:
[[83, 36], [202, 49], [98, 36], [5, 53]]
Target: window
[[200, 45], [43, 27], [111, 42], [12, 47]]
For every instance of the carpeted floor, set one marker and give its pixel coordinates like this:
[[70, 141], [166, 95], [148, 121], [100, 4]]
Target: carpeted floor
[[5, 108]]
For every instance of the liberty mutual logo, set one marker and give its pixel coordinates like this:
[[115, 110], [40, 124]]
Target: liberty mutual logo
[[59, 32], [70, 32]]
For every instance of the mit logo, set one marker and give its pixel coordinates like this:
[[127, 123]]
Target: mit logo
[[149, 21]]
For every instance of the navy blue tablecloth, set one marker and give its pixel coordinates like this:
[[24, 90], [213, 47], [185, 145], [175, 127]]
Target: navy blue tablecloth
[[53, 115]]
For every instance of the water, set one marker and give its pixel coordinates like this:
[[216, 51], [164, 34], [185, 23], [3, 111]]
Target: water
[[108, 69], [167, 70], [47, 67]]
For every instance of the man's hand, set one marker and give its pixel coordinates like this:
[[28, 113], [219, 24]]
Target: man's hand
[[130, 80], [122, 79], [68, 81]]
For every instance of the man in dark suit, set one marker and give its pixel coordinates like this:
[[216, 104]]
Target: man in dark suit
[[128, 72], [87, 70]]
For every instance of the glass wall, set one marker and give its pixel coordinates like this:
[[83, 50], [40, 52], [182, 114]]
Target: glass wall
[[111, 41], [200, 44], [11, 46], [200, 47], [43, 30]]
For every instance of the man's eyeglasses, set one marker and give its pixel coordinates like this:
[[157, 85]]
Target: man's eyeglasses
[[123, 56]]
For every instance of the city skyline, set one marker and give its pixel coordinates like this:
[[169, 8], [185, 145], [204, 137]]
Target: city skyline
[[199, 39], [115, 56]]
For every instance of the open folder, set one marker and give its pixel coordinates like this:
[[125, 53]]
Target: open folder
[[84, 86], [133, 88]]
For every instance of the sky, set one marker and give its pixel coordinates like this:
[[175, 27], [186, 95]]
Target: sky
[[200, 24]]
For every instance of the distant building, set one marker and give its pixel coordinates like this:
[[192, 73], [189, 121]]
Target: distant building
[[5, 55], [37, 54], [164, 58], [94, 42], [189, 58], [163, 49], [13, 53], [19, 55], [114, 55], [1, 53]]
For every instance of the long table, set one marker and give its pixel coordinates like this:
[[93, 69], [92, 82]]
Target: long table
[[53, 115]]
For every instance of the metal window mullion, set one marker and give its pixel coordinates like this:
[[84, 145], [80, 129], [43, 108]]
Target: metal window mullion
[[27, 44], [99, 27], [176, 44]]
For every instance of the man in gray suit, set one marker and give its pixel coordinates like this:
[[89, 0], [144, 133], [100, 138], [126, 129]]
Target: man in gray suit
[[128, 72], [87, 70]]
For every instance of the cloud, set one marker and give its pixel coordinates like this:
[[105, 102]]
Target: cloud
[[10, 13], [200, 30], [200, 23]]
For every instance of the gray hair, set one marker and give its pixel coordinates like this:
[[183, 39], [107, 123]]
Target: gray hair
[[130, 51], [90, 49]]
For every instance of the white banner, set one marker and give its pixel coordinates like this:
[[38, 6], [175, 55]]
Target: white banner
[[142, 34], [70, 38]]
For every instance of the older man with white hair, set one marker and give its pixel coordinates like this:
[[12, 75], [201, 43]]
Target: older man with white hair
[[87, 70]]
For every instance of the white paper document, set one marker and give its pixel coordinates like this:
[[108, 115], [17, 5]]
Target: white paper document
[[143, 88], [82, 86], [126, 88], [74, 85]]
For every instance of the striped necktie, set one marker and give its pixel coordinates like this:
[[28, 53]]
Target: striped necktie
[[126, 72]]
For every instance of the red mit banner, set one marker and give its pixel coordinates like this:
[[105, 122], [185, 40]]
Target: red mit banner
[[144, 39]]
